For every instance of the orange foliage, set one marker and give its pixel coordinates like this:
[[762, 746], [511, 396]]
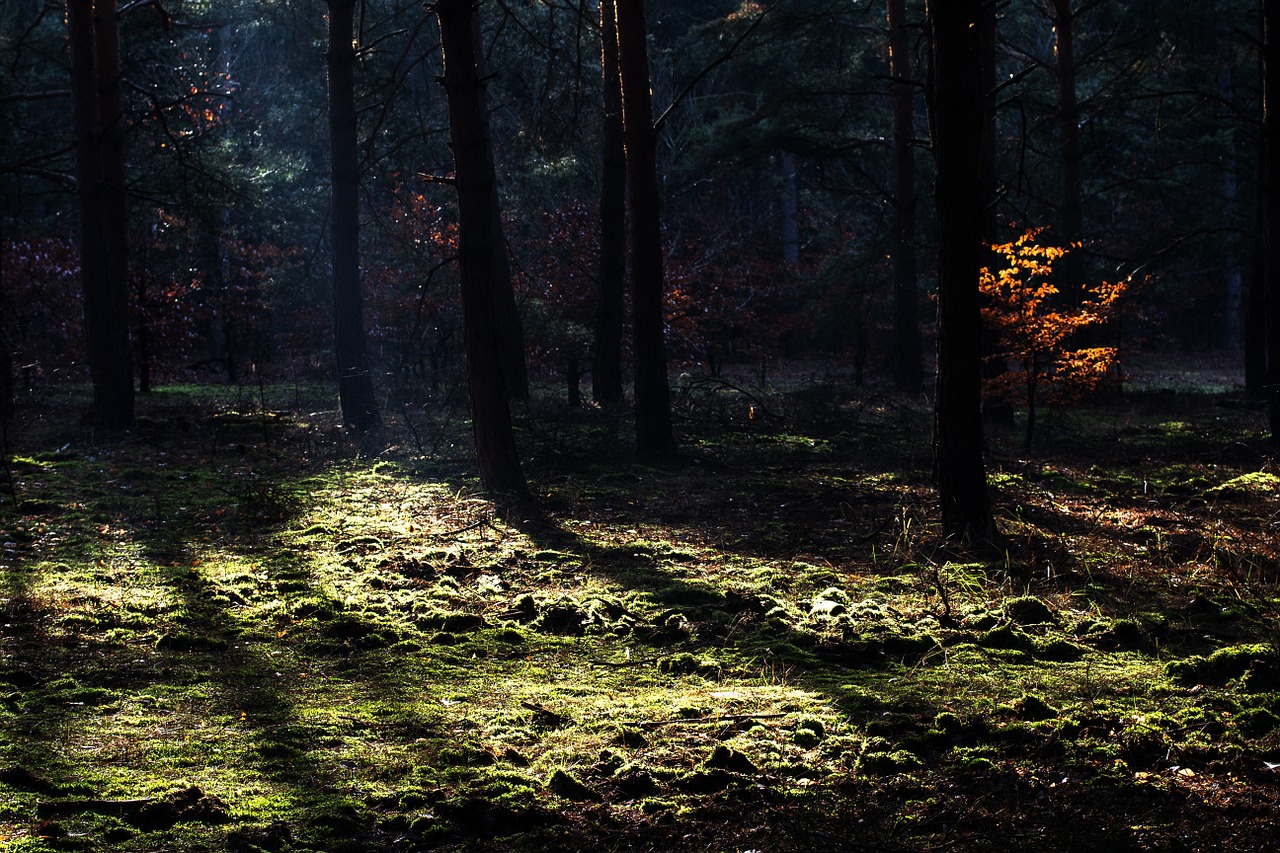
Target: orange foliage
[[1035, 329]]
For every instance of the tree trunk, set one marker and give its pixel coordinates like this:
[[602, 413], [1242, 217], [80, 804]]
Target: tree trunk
[[994, 409], [481, 249], [6, 354], [957, 121], [355, 378], [606, 376], [1071, 206], [1255, 304], [908, 370], [506, 314], [1271, 204], [790, 204], [1233, 271], [98, 118], [654, 434], [142, 333]]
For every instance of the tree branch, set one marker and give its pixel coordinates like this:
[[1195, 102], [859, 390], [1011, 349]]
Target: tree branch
[[702, 75], [49, 95]]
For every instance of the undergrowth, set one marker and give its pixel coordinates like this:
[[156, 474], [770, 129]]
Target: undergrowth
[[237, 629]]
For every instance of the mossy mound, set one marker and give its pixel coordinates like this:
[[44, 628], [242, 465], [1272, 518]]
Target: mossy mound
[[1256, 660], [1114, 635], [1028, 610]]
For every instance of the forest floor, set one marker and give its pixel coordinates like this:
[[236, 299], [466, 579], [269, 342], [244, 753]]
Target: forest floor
[[236, 629]]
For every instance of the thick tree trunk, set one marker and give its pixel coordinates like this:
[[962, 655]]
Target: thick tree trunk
[[908, 370], [355, 378], [606, 376], [481, 249], [506, 314], [957, 122], [98, 117], [1271, 205], [654, 434], [1071, 205]]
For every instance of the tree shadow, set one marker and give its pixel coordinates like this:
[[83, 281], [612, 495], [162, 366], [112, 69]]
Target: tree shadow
[[191, 652]]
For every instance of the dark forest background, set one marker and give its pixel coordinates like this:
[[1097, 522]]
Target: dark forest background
[[776, 154]]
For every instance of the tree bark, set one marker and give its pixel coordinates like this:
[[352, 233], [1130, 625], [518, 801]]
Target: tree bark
[[355, 377], [606, 376], [908, 370], [505, 312], [1271, 205], [957, 123], [481, 250], [98, 120], [654, 434]]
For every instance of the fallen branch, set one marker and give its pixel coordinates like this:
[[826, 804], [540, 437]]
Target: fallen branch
[[66, 808]]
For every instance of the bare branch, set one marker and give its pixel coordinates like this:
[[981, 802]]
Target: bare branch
[[702, 75], [50, 95]]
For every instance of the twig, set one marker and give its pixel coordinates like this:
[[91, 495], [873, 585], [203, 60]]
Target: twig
[[484, 522], [721, 718]]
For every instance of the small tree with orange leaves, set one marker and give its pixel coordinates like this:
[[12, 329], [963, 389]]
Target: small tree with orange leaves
[[1036, 331]]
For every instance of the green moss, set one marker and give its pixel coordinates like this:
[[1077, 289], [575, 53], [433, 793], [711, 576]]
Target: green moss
[[1055, 649], [684, 663], [566, 785], [1006, 637], [889, 762], [1034, 709], [948, 723], [389, 664], [1257, 722], [1028, 610], [1222, 665], [1255, 483]]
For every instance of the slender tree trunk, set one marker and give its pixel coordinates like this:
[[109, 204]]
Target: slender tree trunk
[[1233, 272], [957, 122], [606, 376], [98, 118], [790, 204], [994, 409], [908, 370], [1032, 374], [355, 378], [142, 333], [1070, 211], [1271, 204], [654, 433], [6, 354], [481, 249], [1255, 306]]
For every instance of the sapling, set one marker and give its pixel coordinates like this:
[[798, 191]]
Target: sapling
[[1037, 332]]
